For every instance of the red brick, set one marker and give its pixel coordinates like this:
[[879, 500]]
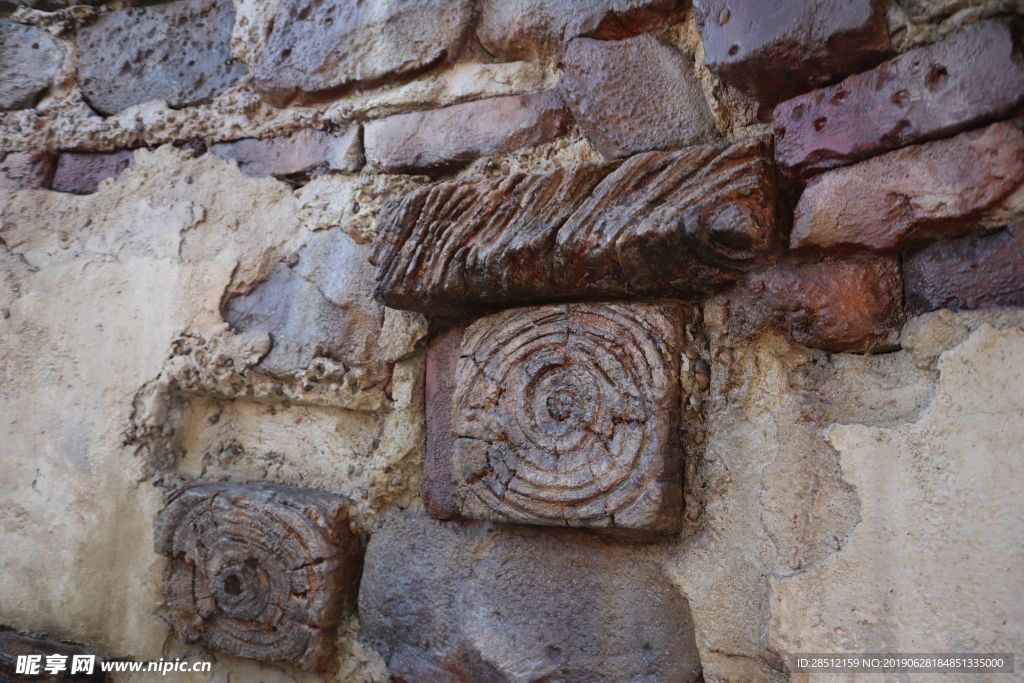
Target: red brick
[[81, 172], [26, 170], [438, 489], [967, 273], [299, 156], [947, 185], [838, 306], [537, 30], [775, 49], [447, 139], [968, 80], [636, 95]]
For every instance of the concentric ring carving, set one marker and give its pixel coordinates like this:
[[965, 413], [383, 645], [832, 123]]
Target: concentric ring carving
[[564, 415], [261, 572]]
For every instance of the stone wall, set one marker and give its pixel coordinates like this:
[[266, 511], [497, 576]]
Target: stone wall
[[511, 340]]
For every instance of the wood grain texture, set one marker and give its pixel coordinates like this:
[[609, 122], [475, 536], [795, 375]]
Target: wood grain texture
[[567, 415], [261, 572], [662, 224]]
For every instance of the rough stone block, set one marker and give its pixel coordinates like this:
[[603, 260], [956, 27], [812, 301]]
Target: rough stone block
[[29, 59], [943, 185], [775, 49], [970, 79], [447, 139], [439, 388], [319, 46], [26, 170], [298, 157], [635, 95], [837, 306], [660, 224], [179, 52], [81, 172], [317, 307], [450, 602], [260, 571], [13, 645], [537, 30], [967, 273], [564, 415]]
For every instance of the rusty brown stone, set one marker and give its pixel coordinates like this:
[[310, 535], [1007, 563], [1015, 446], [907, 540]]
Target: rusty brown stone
[[669, 224], [319, 47], [967, 273], [836, 306], [946, 185], [82, 172], [970, 79], [259, 571], [563, 415], [450, 602], [537, 30], [14, 645], [296, 157], [445, 140], [442, 361], [635, 95], [776, 49], [26, 170]]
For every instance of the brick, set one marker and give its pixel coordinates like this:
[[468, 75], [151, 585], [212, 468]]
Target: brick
[[970, 79], [445, 140], [439, 386], [635, 95], [259, 571], [565, 415], [318, 47], [81, 172], [29, 59], [179, 52], [781, 48], [836, 306], [297, 157], [13, 645], [967, 273], [537, 30], [946, 185], [26, 170], [660, 224], [461, 603]]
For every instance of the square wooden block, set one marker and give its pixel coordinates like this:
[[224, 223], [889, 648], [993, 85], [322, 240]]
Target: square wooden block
[[561, 415]]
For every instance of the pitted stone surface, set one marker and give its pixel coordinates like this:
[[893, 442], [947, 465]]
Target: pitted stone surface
[[446, 139], [969, 79], [82, 172], [261, 571], [26, 170], [775, 49], [299, 156], [539, 29], [29, 59], [635, 95], [179, 52], [444, 601], [567, 415], [318, 46], [946, 185], [967, 273], [659, 224], [837, 306]]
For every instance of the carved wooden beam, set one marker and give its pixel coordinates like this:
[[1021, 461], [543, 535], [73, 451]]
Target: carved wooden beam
[[661, 224], [261, 572], [565, 415]]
